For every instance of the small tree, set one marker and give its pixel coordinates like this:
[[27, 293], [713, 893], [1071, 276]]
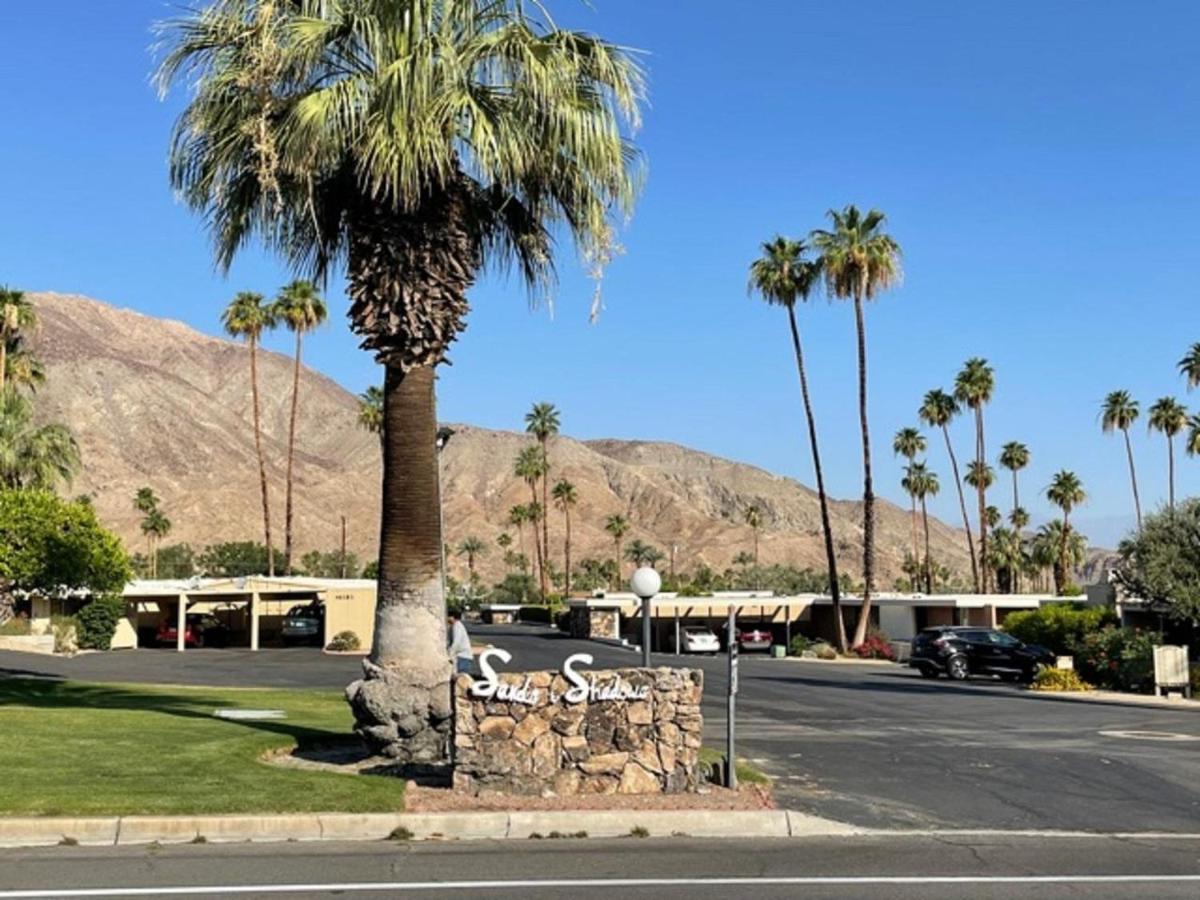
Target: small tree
[[1161, 563]]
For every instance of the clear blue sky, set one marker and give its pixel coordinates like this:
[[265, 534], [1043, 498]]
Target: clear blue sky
[[1037, 161]]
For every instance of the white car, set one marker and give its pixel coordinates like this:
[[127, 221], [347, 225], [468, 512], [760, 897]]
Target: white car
[[698, 639]]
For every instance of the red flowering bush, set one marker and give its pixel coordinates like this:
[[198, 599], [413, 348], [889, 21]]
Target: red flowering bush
[[874, 647]]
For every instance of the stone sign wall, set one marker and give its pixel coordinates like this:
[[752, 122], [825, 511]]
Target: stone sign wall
[[634, 731]]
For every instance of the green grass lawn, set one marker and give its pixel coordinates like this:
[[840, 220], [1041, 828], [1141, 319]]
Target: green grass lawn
[[69, 748]]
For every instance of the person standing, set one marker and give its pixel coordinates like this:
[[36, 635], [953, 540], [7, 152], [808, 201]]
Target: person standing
[[459, 643]]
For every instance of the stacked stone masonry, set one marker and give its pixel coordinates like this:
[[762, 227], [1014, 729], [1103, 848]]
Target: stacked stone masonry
[[644, 746]]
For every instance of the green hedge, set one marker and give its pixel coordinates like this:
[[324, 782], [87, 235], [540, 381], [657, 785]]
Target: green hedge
[[97, 622], [1059, 627]]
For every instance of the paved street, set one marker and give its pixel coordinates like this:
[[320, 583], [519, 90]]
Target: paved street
[[873, 745], [842, 868]]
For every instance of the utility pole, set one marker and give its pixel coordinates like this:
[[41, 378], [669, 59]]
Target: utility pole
[[342, 567]]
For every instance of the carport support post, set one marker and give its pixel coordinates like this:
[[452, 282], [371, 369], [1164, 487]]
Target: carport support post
[[181, 622], [254, 620], [787, 629], [677, 631], [731, 707]]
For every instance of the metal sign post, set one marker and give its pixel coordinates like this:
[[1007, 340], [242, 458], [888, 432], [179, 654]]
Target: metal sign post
[[731, 709]]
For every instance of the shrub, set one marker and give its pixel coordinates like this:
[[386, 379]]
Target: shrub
[[66, 634], [97, 622], [1059, 627], [17, 626], [874, 647], [344, 641], [1059, 680], [824, 651], [799, 644], [1119, 659]]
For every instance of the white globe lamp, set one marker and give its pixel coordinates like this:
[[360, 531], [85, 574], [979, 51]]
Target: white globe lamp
[[646, 582]]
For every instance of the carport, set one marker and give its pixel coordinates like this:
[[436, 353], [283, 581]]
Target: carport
[[254, 597]]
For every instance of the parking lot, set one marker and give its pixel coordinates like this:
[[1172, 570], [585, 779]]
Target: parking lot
[[871, 744]]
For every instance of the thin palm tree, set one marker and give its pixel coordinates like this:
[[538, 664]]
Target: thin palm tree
[[924, 484], [542, 421], [32, 455], [417, 144], [146, 501], [565, 497], [517, 517], [640, 553], [617, 526], [530, 467], [1066, 492], [16, 315], [909, 443], [247, 317], [753, 518], [1059, 549], [1019, 519], [1170, 417], [981, 476], [504, 541], [1119, 411], [860, 260], [784, 276], [938, 410], [370, 410], [301, 309], [471, 547], [973, 387], [1014, 456], [155, 526]]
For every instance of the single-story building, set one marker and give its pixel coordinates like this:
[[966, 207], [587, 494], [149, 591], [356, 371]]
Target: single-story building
[[617, 615], [252, 608]]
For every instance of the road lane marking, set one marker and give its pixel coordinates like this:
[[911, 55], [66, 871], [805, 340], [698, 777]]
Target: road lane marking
[[1150, 735], [560, 883]]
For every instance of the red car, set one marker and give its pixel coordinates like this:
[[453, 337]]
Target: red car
[[200, 630], [753, 639]]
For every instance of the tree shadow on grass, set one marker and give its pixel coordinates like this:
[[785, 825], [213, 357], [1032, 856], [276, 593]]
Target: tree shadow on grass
[[45, 693]]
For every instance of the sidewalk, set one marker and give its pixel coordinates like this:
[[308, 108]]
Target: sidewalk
[[1145, 700], [125, 830]]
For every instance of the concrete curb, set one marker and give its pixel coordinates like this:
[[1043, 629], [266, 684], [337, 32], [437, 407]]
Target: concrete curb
[[132, 830]]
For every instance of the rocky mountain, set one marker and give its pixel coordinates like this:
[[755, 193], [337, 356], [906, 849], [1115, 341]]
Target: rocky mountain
[[154, 402]]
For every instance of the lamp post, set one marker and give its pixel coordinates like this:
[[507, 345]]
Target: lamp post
[[645, 583]]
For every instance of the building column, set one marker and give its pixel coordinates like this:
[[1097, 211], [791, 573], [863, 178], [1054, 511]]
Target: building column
[[787, 629], [254, 621], [181, 623]]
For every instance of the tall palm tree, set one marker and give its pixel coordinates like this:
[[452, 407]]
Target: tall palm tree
[[530, 467], [753, 518], [1065, 492], [1019, 520], [16, 315], [370, 410], [146, 501], [973, 387], [981, 476], [938, 410], [542, 421], [1005, 556], [859, 260], [1014, 456], [504, 542], [416, 143], [1192, 446], [1189, 366], [783, 276], [33, 456], [1059, 549], [909, 442], [640, 553], [617, 526], [924, 484], [247, 317], [517, 517], [1170, 417], [155, 526], [471, 547], [1119, 411], [565, 497], [301, 309]]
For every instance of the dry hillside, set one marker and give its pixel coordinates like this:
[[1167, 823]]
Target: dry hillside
[[154, 402]]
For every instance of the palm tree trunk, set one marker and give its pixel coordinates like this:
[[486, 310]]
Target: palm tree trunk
[[408, 669], [981, 491], [545, 517], [912, 521], [864, 612], [287, 503], [539, 560], [1060, 576], [567, 551], [826, 527], [962, 505], [262, 465], [1171, 471], [1137, 504], [3, 359], [617, 561], [928, 564]]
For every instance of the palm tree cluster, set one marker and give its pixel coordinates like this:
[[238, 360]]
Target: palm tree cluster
[[31, 455], [299, 307], [856, 260], [155, 525]]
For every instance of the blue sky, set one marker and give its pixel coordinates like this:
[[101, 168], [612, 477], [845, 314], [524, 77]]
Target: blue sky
[[1037, 161]]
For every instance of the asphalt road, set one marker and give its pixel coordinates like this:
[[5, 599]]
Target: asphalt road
[[897, 868], [873, 745]]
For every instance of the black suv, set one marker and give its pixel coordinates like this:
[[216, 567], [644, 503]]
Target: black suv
[[960, 651]]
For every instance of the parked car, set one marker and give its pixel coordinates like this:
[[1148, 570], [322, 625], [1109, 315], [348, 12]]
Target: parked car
[[961, 651], [200, 630], [304, 624], [698, 639], [753, 639]]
